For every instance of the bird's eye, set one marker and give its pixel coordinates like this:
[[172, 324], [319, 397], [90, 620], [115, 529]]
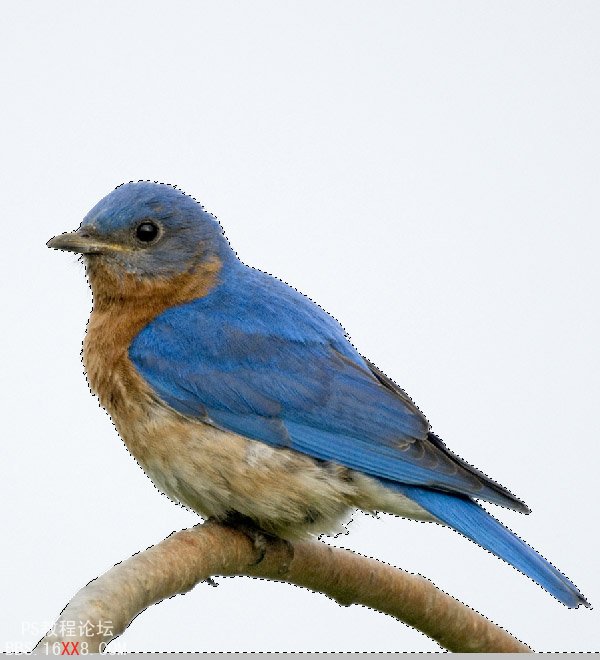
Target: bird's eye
[[146, 231]]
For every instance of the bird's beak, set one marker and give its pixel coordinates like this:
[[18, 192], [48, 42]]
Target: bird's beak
[[81, 242]]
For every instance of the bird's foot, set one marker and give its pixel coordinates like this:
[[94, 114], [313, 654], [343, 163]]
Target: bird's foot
[[258, 537]]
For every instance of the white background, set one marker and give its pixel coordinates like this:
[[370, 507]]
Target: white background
[[427, 171]]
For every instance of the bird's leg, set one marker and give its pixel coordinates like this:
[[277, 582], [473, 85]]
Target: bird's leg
[[258, 537]]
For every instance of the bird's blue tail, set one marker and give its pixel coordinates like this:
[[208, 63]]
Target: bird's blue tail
[[468, 518]]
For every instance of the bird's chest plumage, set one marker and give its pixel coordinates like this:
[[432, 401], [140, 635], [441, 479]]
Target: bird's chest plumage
[[109, 371], [113, 378]]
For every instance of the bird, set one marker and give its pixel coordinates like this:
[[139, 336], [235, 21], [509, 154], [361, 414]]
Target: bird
[[242, 399]]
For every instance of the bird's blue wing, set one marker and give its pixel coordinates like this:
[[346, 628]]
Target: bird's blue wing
[[259, 359]]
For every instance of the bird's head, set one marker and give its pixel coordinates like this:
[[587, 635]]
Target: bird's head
[[146, 229], [146, 232]]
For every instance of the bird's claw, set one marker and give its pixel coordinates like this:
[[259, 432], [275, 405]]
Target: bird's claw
[[258, 537]]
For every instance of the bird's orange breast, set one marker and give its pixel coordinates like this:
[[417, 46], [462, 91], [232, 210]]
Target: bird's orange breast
[[123, 305]]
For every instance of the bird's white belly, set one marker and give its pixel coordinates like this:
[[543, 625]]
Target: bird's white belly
[[216, 473]]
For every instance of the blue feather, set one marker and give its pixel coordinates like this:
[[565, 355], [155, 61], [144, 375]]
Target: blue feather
[[468, 518]]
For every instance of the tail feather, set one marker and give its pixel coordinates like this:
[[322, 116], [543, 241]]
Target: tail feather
[[468, 518]]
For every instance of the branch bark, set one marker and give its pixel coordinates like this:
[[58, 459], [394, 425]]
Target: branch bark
[[188, 557]]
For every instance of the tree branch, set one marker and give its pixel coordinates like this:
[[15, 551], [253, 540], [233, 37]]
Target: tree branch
[[185, 558]]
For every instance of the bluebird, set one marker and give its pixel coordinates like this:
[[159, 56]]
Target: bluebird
[[242, 399]]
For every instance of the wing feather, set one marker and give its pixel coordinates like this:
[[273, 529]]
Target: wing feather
[[259, 359]]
